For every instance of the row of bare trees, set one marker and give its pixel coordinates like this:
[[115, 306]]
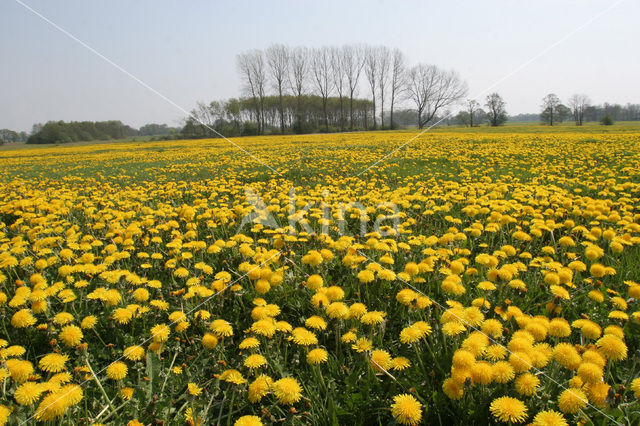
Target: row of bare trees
[[342, 72]]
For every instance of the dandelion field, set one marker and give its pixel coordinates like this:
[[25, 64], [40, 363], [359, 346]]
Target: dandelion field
[[472, 277]]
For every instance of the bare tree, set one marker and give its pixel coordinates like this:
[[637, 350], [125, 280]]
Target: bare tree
[[204, 114], [352, 62], [278, 61], [251, 67], [321, 71], [371, 66], [550, 105], [299, 64], [202, 117], [398, 74], [243, 61], [433, 89], [472, 108], [339, 80], [578, 105], [384, 63]]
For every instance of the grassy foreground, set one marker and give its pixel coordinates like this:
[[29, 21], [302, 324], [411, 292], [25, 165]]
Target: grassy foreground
[[468, 277]]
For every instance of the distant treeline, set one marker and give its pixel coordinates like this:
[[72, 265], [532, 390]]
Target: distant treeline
[[525, 118], [77, 131], [10, 136], [304, 114], [628, 112], [593, 113]]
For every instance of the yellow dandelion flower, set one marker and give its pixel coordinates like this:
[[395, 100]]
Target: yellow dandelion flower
[[194, 389], [373, 318], [571, 400], [5, 412], [482, 373], [453, 328], [380, 360], [400, 363], [221, 328], [71, 335], [248, 421], [28, 393], [453, 389], [287, 390], [134, 353], [259, 388], [362, 345], [249, 343], [126, 393], [463, 359], [53, 363], [117, 370], [63, 318], [503, 372], [590, 372], [635, 387], [23, 319], [233, 376], [508, 410], [88, 322], [255, 361], [366, 276], [317, 356], [612, 347], [549, 418], [338, 310], [20, 370], [410, 335], [495, 352], [304, 337], [348, 337], [406, 409], [160, 333], [209, 341], [527, 384], [316, 322], [567, 355]]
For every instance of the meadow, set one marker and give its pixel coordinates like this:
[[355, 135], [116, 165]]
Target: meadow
[[473, 276]]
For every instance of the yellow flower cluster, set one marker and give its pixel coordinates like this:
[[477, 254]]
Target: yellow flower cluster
[[472, 274]]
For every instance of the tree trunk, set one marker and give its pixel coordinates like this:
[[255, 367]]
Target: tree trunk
[[382, 109], [341, 113], [351, 111], [391, 111], [299, 113], [365, 118], [326, 116], [281, 111], [374, 113]]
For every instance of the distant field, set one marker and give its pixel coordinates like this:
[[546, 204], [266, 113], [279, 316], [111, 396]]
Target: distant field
[[471, 276], [517, 127]]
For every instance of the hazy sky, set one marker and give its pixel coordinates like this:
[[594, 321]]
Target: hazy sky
[[186, 50]]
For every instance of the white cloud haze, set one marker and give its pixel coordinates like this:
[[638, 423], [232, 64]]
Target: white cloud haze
[[186, 50]]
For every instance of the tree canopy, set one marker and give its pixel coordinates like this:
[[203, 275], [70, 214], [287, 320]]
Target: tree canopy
[[77, 131]]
